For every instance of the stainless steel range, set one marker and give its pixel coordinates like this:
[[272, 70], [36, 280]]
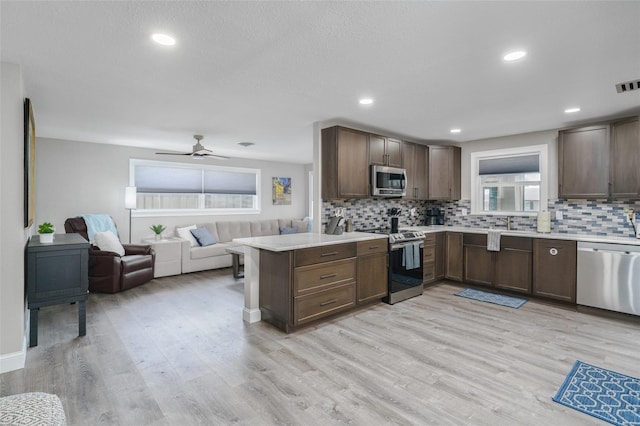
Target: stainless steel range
[[405, 265]]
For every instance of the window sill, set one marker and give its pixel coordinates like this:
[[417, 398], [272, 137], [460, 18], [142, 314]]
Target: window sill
[[192, 212]]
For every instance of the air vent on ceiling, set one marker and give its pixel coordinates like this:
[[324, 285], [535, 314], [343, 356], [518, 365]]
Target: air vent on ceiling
[[627, 86]]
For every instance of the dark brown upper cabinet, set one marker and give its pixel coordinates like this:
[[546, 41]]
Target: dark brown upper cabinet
[[345, 165], [385, 151], [444, 173], [625, 158], [415, 160], [583, 162]]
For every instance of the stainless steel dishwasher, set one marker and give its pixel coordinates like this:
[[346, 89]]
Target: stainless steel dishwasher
[[609, 277]]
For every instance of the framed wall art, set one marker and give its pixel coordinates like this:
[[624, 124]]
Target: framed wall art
[[29, 164], [281, 191]]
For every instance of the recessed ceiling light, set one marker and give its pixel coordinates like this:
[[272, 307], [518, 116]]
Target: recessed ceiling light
[[515, 55], [163, 39], [571, 110], [246, 144], [455, 130], [366, 101]]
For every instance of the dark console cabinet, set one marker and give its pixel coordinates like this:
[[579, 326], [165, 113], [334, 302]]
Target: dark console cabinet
[[57, 273]]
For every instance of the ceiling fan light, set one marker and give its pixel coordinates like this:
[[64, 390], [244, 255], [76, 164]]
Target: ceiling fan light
[[163, 39]]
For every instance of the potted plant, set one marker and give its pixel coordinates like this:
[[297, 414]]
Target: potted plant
[[158, 229], [46, 231]]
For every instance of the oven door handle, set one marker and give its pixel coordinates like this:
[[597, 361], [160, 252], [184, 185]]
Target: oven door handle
[[396, 247]]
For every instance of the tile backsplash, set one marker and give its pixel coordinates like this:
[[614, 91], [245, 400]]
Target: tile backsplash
[[589, 217]]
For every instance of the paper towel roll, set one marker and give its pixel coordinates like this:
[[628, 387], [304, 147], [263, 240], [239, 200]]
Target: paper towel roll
[[544, 222]]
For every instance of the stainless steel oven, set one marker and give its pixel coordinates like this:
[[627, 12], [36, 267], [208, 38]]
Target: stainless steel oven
[[406, 250]]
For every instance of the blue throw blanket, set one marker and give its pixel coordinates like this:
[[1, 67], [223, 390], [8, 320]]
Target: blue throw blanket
[[98, 223]]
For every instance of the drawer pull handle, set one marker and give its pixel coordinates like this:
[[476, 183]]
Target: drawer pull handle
[[325, 276], [328, 302], [373, 247], [331, 253]]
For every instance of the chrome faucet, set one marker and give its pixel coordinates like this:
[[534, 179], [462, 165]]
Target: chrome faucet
[[507, 221]]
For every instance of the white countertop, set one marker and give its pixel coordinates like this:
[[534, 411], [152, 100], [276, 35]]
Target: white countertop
[[308, 239], [304, 240], [552, 235]]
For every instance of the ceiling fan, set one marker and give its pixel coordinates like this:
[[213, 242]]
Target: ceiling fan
[[198, 152]]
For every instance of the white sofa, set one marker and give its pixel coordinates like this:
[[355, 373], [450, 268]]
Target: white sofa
[[196, 258]]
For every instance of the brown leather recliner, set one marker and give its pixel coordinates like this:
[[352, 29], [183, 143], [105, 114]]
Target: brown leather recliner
[[108, 271]]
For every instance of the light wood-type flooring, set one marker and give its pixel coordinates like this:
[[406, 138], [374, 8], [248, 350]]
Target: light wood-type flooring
[[176, 352]]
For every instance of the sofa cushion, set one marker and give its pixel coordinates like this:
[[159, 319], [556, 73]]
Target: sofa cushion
[[203, 236], [301, 225], [288, 230], [209, 251], [260, 228], [227, 231]]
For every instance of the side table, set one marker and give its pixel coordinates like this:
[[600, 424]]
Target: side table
[[57, 273], [168, 256], [236, 252]]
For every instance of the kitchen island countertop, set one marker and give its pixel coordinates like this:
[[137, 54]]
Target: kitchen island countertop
[[304, 240]]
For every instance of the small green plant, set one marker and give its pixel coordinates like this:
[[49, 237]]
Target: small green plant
[[157, 229], [46, 228]]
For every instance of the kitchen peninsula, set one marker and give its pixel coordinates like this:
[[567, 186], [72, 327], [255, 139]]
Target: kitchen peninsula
[[295, 279]]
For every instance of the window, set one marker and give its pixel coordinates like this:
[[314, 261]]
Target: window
[[510, 181], [167, 188]]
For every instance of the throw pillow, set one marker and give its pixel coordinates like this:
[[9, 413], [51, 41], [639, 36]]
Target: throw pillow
[[107, 241], [288, 230], [185, 234], [203, 236]]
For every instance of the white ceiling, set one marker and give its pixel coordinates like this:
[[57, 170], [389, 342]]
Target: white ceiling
[[264, 72]]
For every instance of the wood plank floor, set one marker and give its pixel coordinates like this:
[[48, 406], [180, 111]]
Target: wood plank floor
[[176, 352]]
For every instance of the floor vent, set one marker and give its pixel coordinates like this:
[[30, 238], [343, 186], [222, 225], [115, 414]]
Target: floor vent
[[628, 86]]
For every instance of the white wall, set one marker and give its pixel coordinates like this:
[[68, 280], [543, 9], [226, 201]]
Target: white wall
[[13, 235], [549, 138], [77, 178]]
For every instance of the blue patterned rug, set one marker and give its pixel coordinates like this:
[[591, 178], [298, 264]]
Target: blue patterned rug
[[498, 299], [605, 394]]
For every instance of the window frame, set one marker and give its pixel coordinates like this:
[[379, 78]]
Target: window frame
[[476, 181], [202, 211]]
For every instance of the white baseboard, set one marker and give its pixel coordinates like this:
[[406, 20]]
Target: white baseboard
[[251, 315], [13, 361]]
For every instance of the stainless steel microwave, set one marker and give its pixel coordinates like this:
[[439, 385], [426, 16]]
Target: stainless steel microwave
[[388, 181]]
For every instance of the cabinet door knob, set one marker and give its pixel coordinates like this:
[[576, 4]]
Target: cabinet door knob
[[553, 251]]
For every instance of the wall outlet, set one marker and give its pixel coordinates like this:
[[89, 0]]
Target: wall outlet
[[413, 212], [463, 211], [559, 215]]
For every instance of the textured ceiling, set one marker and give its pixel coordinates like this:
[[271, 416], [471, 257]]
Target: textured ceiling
[[263, 72]]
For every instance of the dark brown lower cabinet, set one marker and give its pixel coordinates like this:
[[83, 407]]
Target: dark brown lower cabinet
[[554, 269], [453, 269], [299, 287], [478, 261], [513, 264], [373, 270], [509, 268], [440, 255]]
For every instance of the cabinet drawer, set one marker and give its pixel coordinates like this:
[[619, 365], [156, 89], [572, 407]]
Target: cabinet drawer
[[429, 239], [429, 254], [316, 277], [313, 306], [314, 255], [373, 246], [516, 243], [475, 239]]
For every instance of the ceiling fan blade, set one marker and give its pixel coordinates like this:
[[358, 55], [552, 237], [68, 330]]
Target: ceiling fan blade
[[173, 153], [219, 157]]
